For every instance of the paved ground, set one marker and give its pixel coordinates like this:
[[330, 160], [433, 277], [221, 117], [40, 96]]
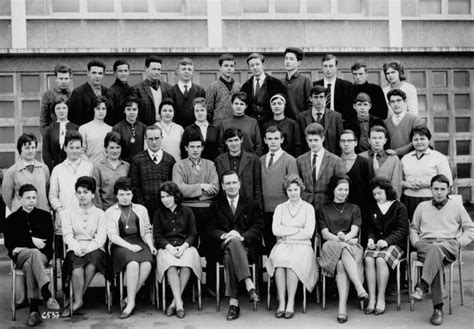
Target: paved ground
[[147, 317]]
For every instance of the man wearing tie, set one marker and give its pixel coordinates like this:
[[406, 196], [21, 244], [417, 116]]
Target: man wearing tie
[[236, 224]]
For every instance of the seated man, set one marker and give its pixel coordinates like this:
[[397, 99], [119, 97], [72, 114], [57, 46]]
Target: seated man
[[439, 227], [236, 224], [29, 239]]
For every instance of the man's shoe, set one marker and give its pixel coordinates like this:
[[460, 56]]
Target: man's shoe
[[418, 295], [34, 319], [52, 304], [234, 312], [253, 297], [437, 317], [171, 310]]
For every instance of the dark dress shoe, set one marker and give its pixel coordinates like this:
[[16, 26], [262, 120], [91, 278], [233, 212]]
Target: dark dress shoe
[[253, 297], [369, 310], [437, 317], [279, 314], [171, 310], [34, 319], [341, 318], [379, 311], [125, 315], [180, 313], [289, 315], [234, 312]]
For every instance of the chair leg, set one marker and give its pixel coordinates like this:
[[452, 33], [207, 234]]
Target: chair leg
[[318, 296], [71, 297], [218, 272], [109, 296], [254, 276], [414, 275], [460, 281], [121, 289], [398, 287], [13, 295], [163, 292], [324, 293], [157, 291], [450, 296], [268, 291], [304, 298], [199, 295]]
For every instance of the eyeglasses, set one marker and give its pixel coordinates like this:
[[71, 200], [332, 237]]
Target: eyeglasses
[[343, 141]]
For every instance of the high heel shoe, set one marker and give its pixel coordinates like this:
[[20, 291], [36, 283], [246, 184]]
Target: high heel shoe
[[342, 317]]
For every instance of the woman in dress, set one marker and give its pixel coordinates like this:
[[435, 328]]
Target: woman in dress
[[395, 75], [419, 166], [93, 132], [209, 132], [108, 171], [175, 234], [293, 225], [53, 139], [387, 233], [172, 132], [84, 232], [341, 253], [130, 234]]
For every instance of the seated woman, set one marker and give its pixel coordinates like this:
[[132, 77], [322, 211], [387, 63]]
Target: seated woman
[[53, 139], [387, 232], [293, 225], [130, 233], [341, 254], [172, 132], [175, 234], [84, 232], [108, 171]]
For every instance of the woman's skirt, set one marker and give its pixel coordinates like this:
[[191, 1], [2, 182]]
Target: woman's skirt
[[122, 256], [190, 258], [391, 255], [331, 254], [297, 257], [98, 258]]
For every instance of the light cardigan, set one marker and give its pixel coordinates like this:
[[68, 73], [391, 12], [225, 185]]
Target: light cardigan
[[113, 216], [294, 229], [84, 228], [450, 222], [171, 141]]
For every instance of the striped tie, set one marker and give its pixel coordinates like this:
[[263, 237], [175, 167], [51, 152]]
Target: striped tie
[[328, 96]]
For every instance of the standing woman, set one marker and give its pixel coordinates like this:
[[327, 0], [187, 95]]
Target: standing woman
[[172, 132], [130, 233], [293, 225], [175, 234], [341, 254], [108, 171], [93, 132], [84, 230], [53, 139], [395, 75], [387, 232]]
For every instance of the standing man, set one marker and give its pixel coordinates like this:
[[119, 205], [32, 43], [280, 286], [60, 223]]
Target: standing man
[[119, 91], [150, 91], [338, 94], [80, 103], [260, 88], [440, 227], [149, 169], [236, 225], [379, 104], [63, 75], [218, 94], [298, 85]]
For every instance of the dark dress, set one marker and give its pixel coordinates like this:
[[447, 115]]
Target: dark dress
[[131, 233]]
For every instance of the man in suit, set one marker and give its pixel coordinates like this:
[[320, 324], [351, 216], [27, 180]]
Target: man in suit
[[150, 91], [330, 120], [260, 88], [118, 92], [236, 224], [80, 103], [339, 97], [247, 165], [379, 104], [317, 166], [184, 92], [149, 169]]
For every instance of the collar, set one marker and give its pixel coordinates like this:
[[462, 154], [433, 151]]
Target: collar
[[23, 164], [261, 78], [120, 82], [426, 152], [198, 163], [295, 75], [319, 155], [366, 119], [401, 115], [73, 163], [439, 205], [202, 124], [332, 81], [158, 153], [231, 82], [347, 158], [235, 156], [236, 200], [277, 153], [314, 111], [99, 87], [153, 83], [182, 84], [66, 91], [379, 153]]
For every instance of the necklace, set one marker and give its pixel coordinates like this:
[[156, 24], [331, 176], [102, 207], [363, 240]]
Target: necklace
[[337, 209], [133, 132], [294, 209], [127, 217]]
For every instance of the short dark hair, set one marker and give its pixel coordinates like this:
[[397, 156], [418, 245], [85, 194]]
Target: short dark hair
[[112, 136], [241, 96], [358, 65], [397, 66], [328, 57], [316, 90], [225, 57], [172, 189], [131, 99], [228, 173], [273, 129], [292, 179], [348, 131], [440, 178], [167, 101], [86, 182], [152, 59], [421, 130], [153, 127], [378, 129], [314, 129], [98, 100], [62, 68], [294, 50], [25, 139], [185, 61], [123, 183], [72, 135], [231, 133], [384, 184], [26, 188], [199, 100], [194, 138], [255, 55], [396, 92], [60, 99], [362, 97], [334, 181], [95, 62], [119, 62]]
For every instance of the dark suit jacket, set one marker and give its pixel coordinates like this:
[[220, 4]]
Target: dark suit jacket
[[52, 154], [211, 143], [333, 128], [342, 98], [379, 103], [272, 86], [316, 194], [80, 104], [142, 91], [248, 221], [118, 92], [249, 173], [183, 112], [355, 127]]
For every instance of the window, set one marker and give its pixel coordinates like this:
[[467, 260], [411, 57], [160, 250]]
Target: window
[[287, 7], [349, 6], [6, 158], [30, 84], [65, 6], [255, 6], [135, 6], [463, 147], [418, 79], [440, 79], [7, 135], [102, 6], [442, 147], [169, 6], [318, 6], [422, 103], [6, 84], [429, 7], [30, 109], [464, 170], [34, 7], [461, 79], [459, 7], [440, 102], [463, 124], [461, 101], [441, 125], [6, 111]]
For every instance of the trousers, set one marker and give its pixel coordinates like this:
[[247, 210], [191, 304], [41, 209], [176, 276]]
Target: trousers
[[33, 263], [236, 265]]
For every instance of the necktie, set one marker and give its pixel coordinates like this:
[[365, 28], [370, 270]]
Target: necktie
[[328, 96], [155, 159], [313, 165], [319, 116], [186, 91], [232, 206], [257, 86], [376, 162], [271, 160]]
